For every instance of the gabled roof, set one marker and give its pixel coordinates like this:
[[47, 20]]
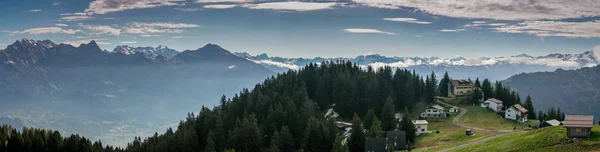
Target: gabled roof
[[585, 121], [520, 108], [436, 107], [553, 122], [462, 82], [420, 122], [494, 100]]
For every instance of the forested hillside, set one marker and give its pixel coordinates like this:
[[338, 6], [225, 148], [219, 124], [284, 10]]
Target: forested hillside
[[285, 112], [574, 91]]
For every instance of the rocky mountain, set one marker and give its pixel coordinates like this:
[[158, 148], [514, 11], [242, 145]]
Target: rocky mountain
[[87, 87], [495, 68], [574, 91], [149, 52]]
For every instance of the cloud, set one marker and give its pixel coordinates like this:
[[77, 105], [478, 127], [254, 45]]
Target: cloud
[[152, 28], [496, 9], [590, 29], [528, 60], [35, 10], [149, 35], [108, 6], [100, 29], [46, 30], [452, 30], [231, 67], [129, 42], [407, 20], [291, 6], [483, 24], [177, 37], [223, 1], [596, 52], [419, 36], [188, 9], [76, 43], [277, 64], [56, 3], [76, 18], [361, 30], [220, 6], [60, 24]]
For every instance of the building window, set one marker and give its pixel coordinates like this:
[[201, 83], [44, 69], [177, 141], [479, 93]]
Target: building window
[[577, 129], [422, 129]]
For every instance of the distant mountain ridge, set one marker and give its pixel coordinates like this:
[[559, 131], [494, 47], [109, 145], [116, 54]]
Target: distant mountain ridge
[[574, 91], [149, 52], [500, 67]]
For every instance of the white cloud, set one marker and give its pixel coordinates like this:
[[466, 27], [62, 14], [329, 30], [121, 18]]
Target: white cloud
[[156, 27], [291, 6], [60, 24], [231, 67], [277, 64], [108, 6], [596, 52], [35, 10], [129, 42], [497, 9], [223, 1], [46, 30], [515, 60], [220, 6], [100, 29], [407, 20], [419, 36], [56, 3], [452, 30], [76, 43], [483, 24], [177, 37], [590, 29], [149, 35], [75, 18], [362, 30], [188, 9]]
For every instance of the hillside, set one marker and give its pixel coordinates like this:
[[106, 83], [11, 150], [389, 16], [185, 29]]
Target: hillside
[[542, 140], [574, 91]]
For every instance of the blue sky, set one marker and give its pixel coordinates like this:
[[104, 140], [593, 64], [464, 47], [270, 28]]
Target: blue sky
[[444, 28]]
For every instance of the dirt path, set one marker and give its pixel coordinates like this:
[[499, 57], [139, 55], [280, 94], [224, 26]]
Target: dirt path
[[456, 122]]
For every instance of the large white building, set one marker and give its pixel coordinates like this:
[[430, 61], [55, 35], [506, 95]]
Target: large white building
[[517, 113], [421, 126], [435, 111], [493, 104]]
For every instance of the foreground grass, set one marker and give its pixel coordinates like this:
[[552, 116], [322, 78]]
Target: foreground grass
[[488, 119], [449, 135], [543, 140]]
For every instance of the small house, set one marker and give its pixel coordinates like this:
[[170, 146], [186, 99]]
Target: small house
[[493, 104], [454, 109], [375, 144], [517, 113], [460, 87], [421, 126], [397, 139], [579, 125], [435, 111], [398, 116]]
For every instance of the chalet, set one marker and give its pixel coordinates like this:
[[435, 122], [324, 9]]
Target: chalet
[[398, 116], [579, 125], [375, 144], [460, 87], [517, 113], [397, 139], [435, 111], [493, 104], [421, 126], [454, 109]]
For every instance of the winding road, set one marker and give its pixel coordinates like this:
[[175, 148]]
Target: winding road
[[456, 122]]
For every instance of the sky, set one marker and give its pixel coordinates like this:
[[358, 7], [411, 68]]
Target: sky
[[442, 28]]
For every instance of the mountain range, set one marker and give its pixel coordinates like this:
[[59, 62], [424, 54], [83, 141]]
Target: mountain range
[[494, 68], [106, 95]]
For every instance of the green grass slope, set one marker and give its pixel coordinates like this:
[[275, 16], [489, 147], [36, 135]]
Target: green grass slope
[[546, 139]]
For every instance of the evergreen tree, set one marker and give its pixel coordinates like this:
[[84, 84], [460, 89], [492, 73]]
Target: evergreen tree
[[210, 145], [443, 86], [476, 96], [338, 145], [375, 130], [369, 119], [388, 121], [486, 88], [559, 114], [541, 116], [313, 137], [529, 106], [407, 125], [357, 138], [286, 140], [551, 114], [477, 83]]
